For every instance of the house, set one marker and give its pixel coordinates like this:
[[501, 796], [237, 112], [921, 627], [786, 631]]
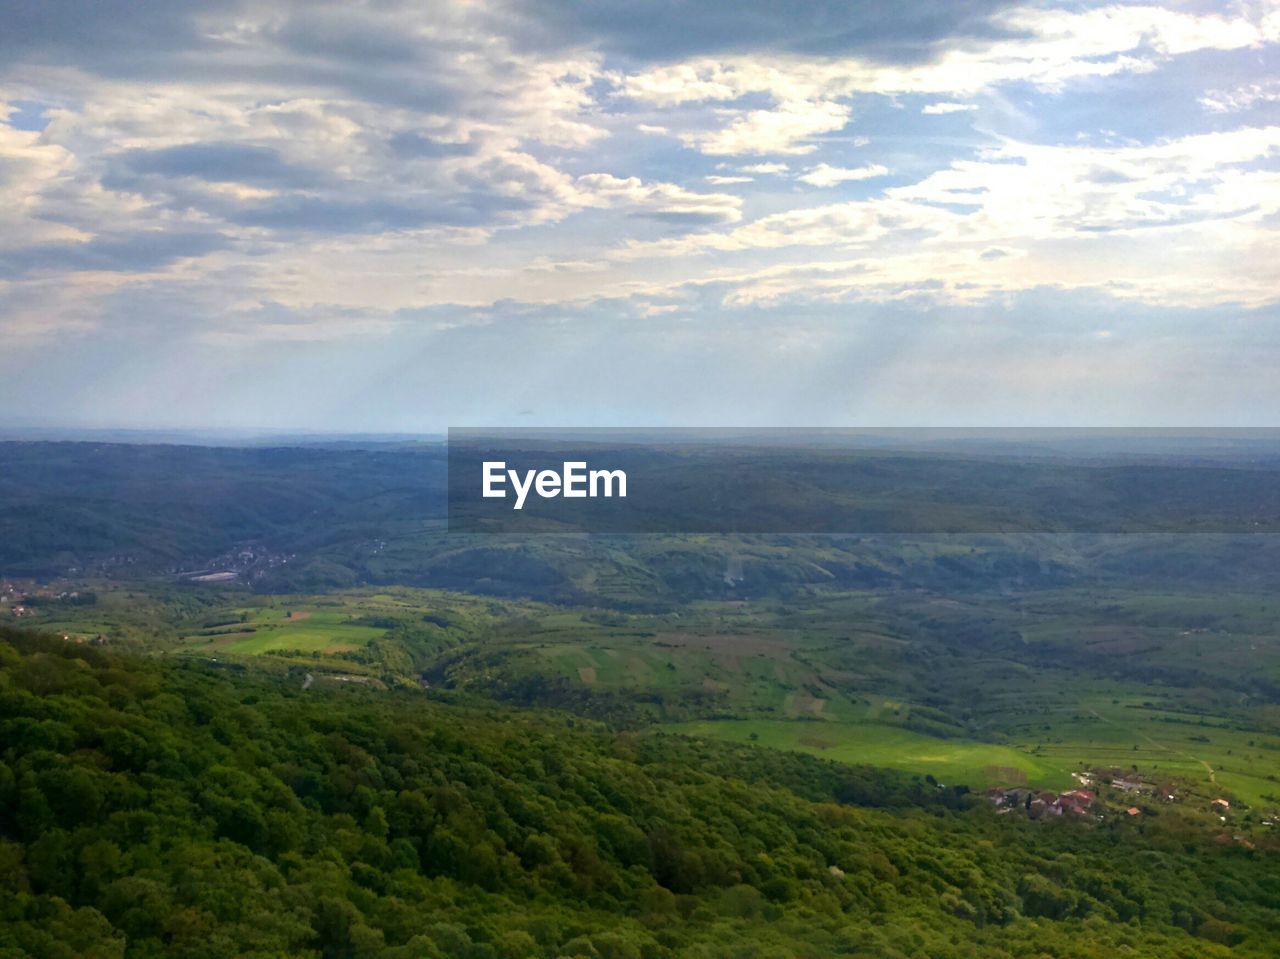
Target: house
[[1014, 797], [1078, 797], [1133, 811], [1220, 804]]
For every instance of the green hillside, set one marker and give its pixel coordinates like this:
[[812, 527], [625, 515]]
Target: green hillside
[[186, 810]]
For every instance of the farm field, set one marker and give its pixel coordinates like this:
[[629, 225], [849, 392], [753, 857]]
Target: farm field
[[277, 631], [1216, 757], [952, 762]]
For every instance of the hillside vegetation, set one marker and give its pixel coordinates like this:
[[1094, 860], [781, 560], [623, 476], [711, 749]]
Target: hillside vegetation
[[183, 810], [312, 518]]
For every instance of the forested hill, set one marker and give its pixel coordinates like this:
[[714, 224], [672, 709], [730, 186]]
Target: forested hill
[[309, 519], [149, 508], [153, 809]]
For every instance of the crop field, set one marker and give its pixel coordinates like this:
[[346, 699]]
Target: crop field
[[1240, 763], [332, 624], [275, 630], [949, 761]]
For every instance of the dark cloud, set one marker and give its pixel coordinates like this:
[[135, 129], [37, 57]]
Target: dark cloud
[[214, 162], [101, 31], [318, 46], [685, 217], [359, 47], [308, 200], [136, 252], [409, 146], [313, 214], [338, 35], [649, 30]]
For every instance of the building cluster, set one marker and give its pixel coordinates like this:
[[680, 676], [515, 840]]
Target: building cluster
[[1087, 800], [243, 564], [1136, 785], [11, 599], [1039, 804]]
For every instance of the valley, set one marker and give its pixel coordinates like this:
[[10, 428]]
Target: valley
[[996, 689], [238, 683]]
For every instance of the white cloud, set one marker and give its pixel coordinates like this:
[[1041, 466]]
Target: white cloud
[[836, 224], [945, 106], [1026, 190], [28, 166], [1244, 97], [603, 189], [1183, 221], [1053, 48], [785, 129], [824, 175]]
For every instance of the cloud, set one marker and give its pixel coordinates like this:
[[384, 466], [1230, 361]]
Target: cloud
[[946, 106], [656, 30], [660, 200], [784, 129], [379, 183], [218, 163], [1137, 221], [123, 252], [1030, 190], [413, 145], [1045, 48], [824, 175], [107, 34], [1241, 98], [837, 224], [28, 166]]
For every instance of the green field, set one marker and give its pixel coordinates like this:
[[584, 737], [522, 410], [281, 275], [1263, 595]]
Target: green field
[[301, 630], [1162, 742], [949, 761]]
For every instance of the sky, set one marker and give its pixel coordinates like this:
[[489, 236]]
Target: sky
[[397, 216]]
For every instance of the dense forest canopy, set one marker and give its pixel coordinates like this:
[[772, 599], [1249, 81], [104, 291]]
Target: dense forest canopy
[[180, 809]]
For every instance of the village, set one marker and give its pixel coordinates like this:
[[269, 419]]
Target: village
[[1101, 793], [20, 598]]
